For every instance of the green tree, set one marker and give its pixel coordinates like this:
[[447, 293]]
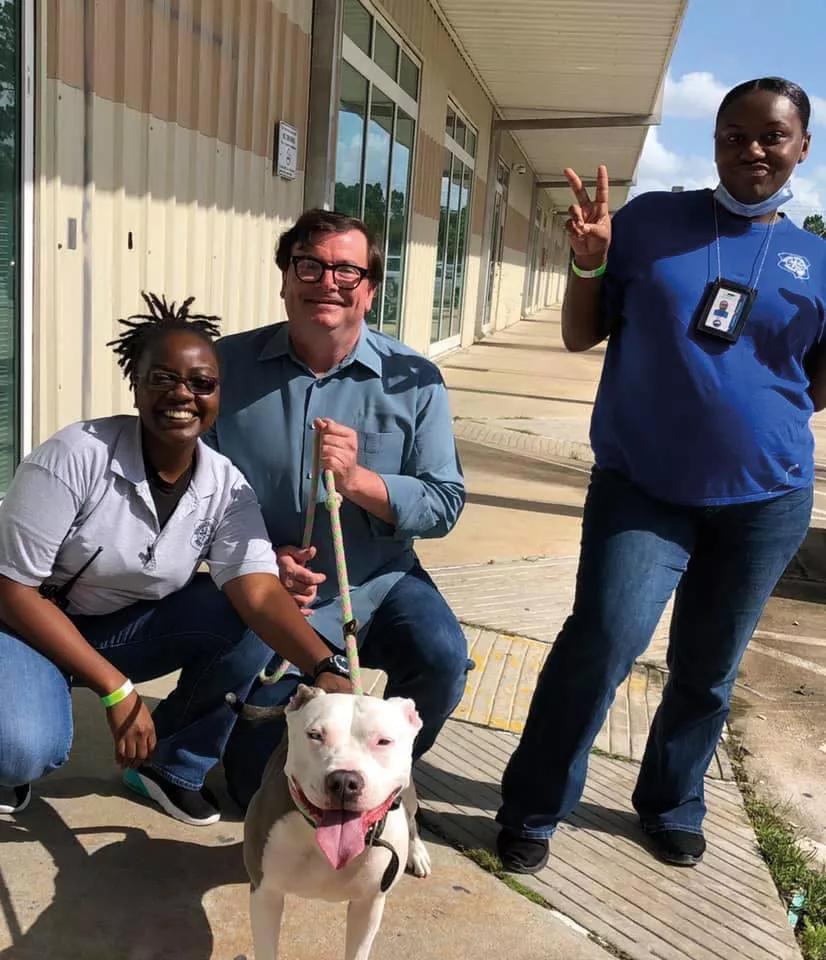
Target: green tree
[[814, 224]]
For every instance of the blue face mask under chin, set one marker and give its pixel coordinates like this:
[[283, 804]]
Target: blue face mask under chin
[[751, 210]]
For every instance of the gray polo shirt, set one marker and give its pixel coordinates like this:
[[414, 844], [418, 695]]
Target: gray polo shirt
[[86, 487]]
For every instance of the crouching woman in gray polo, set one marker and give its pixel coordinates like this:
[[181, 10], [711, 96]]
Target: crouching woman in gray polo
[[101, 534]]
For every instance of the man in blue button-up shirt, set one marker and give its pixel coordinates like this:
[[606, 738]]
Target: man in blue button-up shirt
[[381, 412]]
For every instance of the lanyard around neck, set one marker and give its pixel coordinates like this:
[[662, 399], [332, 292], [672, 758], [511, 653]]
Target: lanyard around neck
[[767, 241]]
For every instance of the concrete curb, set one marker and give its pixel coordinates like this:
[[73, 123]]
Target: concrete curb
[[521, 442]]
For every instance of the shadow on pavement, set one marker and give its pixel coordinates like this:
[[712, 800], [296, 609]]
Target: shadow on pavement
[[532, 506], [118, 893]]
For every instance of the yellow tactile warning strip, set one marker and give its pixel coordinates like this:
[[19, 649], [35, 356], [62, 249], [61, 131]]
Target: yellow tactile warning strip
[[499, 690]]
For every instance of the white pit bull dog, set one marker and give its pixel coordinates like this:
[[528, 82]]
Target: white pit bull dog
[[336, 822]]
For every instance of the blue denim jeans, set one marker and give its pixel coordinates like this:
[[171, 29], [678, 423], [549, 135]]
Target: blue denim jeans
[[413, 636], [194, 630], [724, 563]]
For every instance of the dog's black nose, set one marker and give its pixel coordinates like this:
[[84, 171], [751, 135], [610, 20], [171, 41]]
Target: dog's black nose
[[344, 784]]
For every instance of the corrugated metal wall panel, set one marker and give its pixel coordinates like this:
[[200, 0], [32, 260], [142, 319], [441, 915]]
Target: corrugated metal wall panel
[[175, 191]]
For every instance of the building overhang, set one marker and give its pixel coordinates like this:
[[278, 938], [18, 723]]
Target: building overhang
[[575, 84]]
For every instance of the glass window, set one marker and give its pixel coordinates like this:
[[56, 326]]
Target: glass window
[[377, 162], [374, 154], [450, 123], [376, 172], [350, 146], [386, 53], [409, 76], [444, 205], [454, 213], [357, 24], [10, 13], [451, 247], [461, 247], [399, 193], [459, 136]]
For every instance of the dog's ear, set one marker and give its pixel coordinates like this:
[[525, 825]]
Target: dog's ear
[[303, 695], [409, 712]]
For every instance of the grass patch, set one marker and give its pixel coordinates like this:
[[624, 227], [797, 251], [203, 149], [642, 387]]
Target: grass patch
[[813, 941], [492, 864], [599, 752], [790, 865]]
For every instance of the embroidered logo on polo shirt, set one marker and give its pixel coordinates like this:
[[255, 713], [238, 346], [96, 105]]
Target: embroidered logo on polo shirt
[[202, 534], [795, 264]]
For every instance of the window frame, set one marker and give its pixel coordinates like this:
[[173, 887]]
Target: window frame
[[367, 67], [458, 152]]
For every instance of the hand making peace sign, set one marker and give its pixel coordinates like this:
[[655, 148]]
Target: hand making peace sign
[[589, 228]]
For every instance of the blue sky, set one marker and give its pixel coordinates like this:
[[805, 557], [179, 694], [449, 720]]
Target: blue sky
[[722, 43]]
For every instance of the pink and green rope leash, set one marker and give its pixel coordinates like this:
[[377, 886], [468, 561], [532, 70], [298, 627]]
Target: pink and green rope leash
[[333, 504]]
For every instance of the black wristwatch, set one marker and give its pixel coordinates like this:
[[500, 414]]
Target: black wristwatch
[[336, 664]]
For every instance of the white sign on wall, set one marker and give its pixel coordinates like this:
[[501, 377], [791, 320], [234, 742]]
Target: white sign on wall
[[286, 150]]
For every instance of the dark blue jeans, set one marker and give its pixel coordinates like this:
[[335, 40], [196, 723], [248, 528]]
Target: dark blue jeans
[[194, 630], [724, 563], [418, 642]]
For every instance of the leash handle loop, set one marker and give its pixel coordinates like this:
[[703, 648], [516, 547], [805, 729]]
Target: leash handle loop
[[350, 629]]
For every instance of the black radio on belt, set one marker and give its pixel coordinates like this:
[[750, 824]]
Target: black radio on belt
[[58, 594]]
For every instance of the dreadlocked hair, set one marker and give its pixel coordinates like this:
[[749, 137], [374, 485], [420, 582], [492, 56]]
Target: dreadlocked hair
[[144, 329]]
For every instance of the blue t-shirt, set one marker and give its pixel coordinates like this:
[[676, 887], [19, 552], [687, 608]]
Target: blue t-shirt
[[691, 419]]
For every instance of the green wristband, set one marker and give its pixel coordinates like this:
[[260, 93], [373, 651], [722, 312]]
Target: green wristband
[[588, 274], [116, 696]]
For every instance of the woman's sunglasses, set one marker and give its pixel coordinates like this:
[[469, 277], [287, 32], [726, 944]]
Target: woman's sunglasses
[[163, 381]]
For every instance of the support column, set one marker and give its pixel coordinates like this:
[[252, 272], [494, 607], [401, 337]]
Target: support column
[[322, 115], [484, 253], [533, 234]]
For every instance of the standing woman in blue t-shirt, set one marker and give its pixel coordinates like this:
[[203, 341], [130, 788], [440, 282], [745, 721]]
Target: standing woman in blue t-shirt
[[704, 464]]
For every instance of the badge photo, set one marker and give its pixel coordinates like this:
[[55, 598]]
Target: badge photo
[[724, 310]]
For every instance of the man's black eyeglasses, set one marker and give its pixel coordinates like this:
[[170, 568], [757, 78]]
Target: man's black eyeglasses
[[162, 381], [346, 275]]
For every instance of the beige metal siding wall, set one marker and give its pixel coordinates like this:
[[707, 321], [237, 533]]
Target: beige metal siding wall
[[155, 137], [444, 74]]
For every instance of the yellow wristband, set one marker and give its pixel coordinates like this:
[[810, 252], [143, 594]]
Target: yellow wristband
[[588, 274], [116, 696]]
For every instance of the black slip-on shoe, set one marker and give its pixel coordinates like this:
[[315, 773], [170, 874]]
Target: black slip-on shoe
[[681, 848], [198, 808], [15, 799], [521, 854]]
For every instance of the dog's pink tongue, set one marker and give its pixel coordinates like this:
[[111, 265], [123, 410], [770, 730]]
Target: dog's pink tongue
[[340, 836]]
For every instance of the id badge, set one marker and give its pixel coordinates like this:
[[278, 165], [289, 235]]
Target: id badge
[[725, 310]]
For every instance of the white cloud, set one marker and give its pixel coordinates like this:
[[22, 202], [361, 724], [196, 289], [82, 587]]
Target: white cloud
[[818, 111], [661, 168], [809, 195], [699, 94], [695, 94]]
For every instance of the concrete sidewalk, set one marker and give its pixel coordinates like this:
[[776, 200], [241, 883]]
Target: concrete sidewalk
[[523, 381], [89, 872], [526, 402]]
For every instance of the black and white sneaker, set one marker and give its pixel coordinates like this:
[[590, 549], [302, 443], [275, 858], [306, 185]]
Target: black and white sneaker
[[198, 808], [15, 799]]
